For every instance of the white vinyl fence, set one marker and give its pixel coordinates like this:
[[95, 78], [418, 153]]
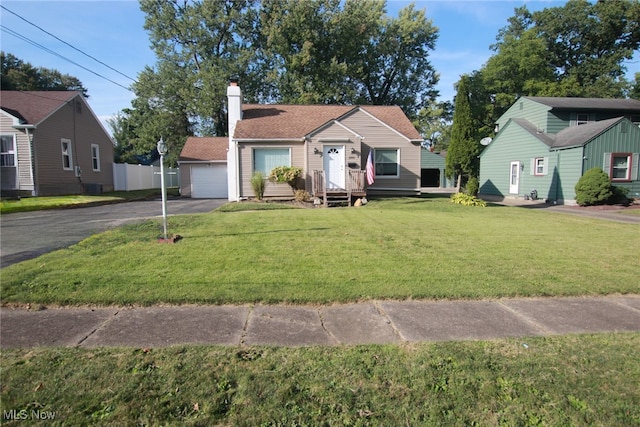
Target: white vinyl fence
[[128, 177]]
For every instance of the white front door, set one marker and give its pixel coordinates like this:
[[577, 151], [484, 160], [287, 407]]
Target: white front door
[[514, 178], [333, 164]]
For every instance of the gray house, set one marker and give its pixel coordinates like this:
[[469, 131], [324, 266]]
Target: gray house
[[53, 144], [544, 145]]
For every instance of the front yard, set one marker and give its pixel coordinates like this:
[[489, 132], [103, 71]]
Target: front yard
[[389, 249], [395, 248]]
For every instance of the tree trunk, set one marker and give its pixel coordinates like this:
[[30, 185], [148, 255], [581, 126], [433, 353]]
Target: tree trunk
[[458, 185]]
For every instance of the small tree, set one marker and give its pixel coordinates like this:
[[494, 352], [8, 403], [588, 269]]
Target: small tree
[[593, 188]]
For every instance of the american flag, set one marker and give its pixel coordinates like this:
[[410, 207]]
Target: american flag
[[370, 171]]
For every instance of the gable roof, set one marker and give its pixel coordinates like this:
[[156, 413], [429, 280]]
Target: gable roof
[[203, 149], [586, 103], [280, 121], [572, 136], [32, 107]]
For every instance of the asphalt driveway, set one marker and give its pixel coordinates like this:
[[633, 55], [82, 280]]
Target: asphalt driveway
[[30, 234]]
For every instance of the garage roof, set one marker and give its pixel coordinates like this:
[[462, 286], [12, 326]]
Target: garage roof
[[205, 149]]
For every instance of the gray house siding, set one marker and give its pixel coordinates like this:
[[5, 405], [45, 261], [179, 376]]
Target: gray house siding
[[79, 126], [379, 136]]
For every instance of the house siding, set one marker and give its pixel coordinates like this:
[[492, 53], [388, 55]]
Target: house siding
[[615, 140], [514, 144], [566, 175], [333, 134], [77, 124], [534, 112], [245, 159], [378, 135]]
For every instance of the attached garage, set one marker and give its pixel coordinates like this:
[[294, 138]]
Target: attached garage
[[203, 168], [209, 181]]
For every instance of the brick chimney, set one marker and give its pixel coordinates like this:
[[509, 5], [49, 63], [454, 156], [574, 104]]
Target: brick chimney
[[234, 112]]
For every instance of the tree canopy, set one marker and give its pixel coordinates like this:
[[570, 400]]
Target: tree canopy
[[20, 75], [286, 51]]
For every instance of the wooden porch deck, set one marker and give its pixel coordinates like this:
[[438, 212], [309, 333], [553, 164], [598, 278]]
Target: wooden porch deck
[[331, 196]]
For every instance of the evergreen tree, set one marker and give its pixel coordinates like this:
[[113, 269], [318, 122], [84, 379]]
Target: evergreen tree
[[462, 155]]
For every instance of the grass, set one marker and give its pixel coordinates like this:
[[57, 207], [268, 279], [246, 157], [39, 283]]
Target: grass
[[572, 380], [27, 204], [389, 249]]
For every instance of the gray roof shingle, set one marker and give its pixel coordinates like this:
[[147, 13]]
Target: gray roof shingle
[[587, 103]]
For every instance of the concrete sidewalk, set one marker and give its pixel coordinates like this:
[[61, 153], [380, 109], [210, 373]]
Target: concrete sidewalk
[[374, 322]]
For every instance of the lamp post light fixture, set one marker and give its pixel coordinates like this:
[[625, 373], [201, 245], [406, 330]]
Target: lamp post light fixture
[[162, 150]]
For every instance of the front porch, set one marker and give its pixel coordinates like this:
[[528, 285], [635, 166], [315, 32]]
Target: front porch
[[355, 187]]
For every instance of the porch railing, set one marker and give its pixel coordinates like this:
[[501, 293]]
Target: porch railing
[[356, 186]]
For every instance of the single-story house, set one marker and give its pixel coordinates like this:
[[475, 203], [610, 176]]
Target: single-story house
[[330, 143], [203, 168], [53, 144], [545, 144]]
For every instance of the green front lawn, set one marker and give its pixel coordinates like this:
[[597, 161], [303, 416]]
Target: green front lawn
[[577, 380], [389, 249]]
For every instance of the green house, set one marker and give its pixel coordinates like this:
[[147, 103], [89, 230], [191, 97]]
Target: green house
[[544, 145], [432, 167]]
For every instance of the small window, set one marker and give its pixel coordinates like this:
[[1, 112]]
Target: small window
[[8, 153], [540, 166], [95, 157], [67, 158], [265, 159], [582, 119], [620, 167], [387, 162]]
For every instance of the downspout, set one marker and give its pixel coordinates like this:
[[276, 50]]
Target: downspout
[[237, 170]]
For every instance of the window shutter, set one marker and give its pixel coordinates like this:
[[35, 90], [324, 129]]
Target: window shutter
[[606, 166], [545, 166], [634, 166], [532, 166]]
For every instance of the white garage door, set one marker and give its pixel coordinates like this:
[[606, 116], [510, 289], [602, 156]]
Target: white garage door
[[209, 181]]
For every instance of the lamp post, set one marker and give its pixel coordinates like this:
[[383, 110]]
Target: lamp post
[[162, 150]]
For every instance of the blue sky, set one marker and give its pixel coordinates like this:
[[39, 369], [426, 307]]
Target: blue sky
[[112, 32]]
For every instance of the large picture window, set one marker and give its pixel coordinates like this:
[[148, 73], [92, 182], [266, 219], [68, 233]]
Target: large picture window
[[67, 159], [265, 159], [387, 162], [8, 153]]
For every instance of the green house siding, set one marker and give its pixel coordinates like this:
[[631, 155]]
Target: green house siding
[[566, 175], [515, 144], [434, 161], [624, 137], [523, 108]]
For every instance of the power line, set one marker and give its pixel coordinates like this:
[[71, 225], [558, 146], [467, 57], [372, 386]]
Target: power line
[[46, 49], [68, 44]]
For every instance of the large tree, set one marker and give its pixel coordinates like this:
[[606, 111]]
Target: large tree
[[462, 154], [578, 49], [20, 75]]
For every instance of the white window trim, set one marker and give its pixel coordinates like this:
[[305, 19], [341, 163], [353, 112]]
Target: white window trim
[[253, 157], [69, 153], [398, 163], [630, 159], [581, 122], [12, 152], [534, 166], [95, 160]]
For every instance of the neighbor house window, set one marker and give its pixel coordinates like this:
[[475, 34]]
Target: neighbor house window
[[387, 162], [582, 119], [265, 159], [620, 167], [67, 158], [539, 166], [95, 157], [8, 153]]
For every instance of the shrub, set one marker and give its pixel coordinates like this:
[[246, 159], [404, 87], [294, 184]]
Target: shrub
[[288, 174], [472, 187], [593, 188], [620, 195], [258, 184], [301, 196], [467, 200]]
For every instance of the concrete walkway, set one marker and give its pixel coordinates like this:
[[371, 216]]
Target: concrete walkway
[[375, 322]]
